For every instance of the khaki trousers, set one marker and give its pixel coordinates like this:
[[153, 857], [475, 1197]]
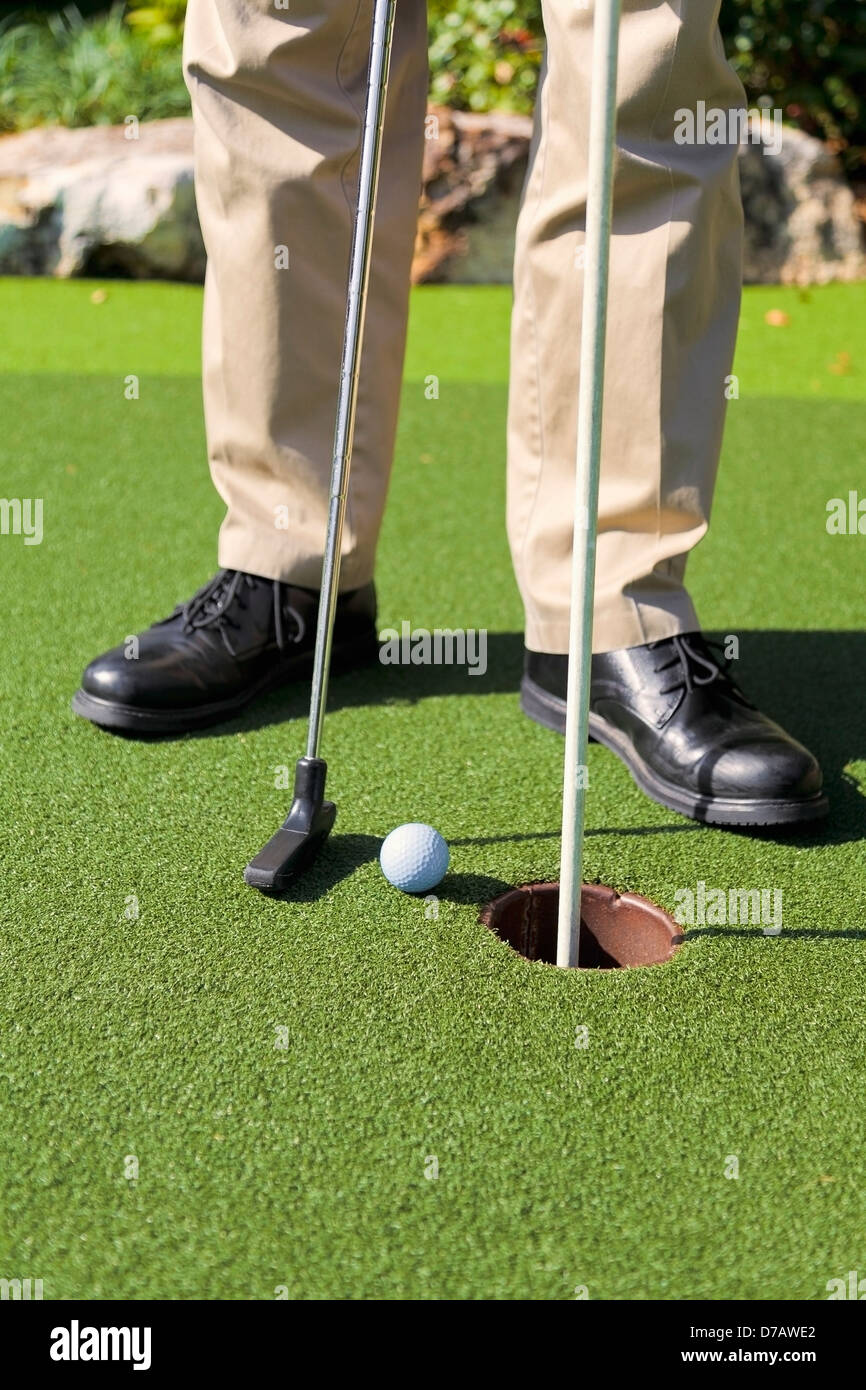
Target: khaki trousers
[[277, 101]]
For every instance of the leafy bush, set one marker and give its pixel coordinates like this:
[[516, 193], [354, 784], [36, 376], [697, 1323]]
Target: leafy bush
[[485, 53], [161, 22], [809, 57], [66, 70]]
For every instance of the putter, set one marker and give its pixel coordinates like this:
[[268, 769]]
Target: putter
[[602, 137], [311, 817]]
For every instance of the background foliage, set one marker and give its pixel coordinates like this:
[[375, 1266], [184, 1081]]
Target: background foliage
[[808, 56], [65, 69]]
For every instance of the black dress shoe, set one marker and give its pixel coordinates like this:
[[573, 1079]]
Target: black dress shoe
[[236, 638], [688, 736]]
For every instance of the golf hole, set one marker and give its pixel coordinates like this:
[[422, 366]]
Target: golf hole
[[617, 930]]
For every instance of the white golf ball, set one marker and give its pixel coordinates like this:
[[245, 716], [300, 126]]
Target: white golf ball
[[414, 857]]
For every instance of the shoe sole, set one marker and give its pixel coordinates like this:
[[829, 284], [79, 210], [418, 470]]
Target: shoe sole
[[549, 711], [109, 714]]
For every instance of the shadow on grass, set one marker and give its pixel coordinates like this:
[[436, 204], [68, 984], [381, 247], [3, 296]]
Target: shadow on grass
[[598, 830], [386, 685], [340, 856], [471, 890], [792, 933], [810, 682]]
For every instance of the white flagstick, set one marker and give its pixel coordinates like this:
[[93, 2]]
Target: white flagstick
[[602, 135]]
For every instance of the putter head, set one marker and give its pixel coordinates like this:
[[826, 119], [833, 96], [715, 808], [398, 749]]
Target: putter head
[[299, 838]]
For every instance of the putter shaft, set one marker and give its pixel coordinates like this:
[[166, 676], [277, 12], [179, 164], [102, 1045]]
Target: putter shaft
[[356, 309], [311, 817]]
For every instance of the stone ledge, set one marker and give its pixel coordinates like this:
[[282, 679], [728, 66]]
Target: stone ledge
[[94, 202]]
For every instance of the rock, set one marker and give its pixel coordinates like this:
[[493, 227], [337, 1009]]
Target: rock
[[802, 222], [474, 166], [96, 202]]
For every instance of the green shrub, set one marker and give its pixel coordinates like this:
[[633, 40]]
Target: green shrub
[[807, 56], [161, 22], [485, 53], [66, 70]]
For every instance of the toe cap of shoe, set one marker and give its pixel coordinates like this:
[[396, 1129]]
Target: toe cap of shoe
[[111, 676], [772, 768]]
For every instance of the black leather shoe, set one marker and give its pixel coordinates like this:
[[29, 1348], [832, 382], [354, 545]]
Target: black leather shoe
[[236, 638], [688, 736]]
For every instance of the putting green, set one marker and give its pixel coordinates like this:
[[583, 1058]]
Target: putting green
[[206, 1094]]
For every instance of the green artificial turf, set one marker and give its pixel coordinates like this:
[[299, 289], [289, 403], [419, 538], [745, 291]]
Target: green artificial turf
[[302, 1167]]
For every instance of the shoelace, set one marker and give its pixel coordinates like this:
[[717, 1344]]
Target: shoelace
[[210, 606], [687, 678]]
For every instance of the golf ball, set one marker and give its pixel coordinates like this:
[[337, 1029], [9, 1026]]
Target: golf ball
[[414, 857]]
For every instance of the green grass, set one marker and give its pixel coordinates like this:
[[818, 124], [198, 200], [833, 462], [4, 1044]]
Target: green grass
[[261, 1167]]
